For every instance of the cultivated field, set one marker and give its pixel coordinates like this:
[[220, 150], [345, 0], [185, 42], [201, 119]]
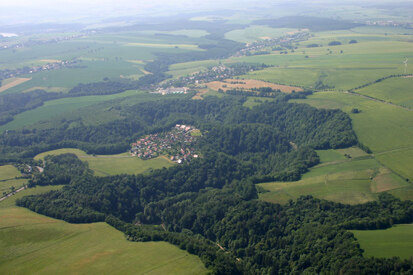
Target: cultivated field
[[340, 67], [395, 241], [10, 83], [338, 178], [386, 129], [87, 108], [32, 243], [105, 165], [249, 84], [395, 90]]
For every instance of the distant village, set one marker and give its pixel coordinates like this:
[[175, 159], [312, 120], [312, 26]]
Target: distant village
[[171, 90], [179, 144], [255, 48], [215, 73], [30, 70]]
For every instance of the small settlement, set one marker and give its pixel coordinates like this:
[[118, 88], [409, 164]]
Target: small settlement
[[179, 144], [171, 90]]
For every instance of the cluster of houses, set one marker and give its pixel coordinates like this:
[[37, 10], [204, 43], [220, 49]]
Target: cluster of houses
[[171, 90], [215, 73], [284, 41], [32, 42], [30, 70], [178, 144]]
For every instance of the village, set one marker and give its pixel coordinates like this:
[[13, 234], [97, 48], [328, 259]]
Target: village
[[30, 70], [276, 44], [215, 73], [179, 144]]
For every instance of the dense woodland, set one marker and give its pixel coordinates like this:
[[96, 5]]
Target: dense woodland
[[213, 199], [209, 207]]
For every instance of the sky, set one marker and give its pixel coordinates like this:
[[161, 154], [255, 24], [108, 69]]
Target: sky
[[65, 11]]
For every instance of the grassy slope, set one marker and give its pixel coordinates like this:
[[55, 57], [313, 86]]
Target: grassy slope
[[32, 243], [337, 178], [386, 129], [104, 165], [7, 178], [395, 241], [375, 56], [396, 90], [75, 107]]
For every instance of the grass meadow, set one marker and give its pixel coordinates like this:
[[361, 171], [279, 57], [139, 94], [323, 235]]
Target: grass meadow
[[346, 175], [395, 241], [32, 243], [395, 90], [106, 165], [8, 174], [386, 129]]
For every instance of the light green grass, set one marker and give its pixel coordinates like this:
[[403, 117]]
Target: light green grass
[[187, 68], [105, 165], [31, 243], [356, 65], [401, 161], [54, 108], [254, 101], [8, 174], [395, 241], [396, 90], [386, 129], [11, 201], [339, 179], [330, 155], [382, 127]]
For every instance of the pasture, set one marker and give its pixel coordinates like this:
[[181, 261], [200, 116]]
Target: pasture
[[338, 178], [74, 106], [387, 243], [8, 174], [395, 90], [106, 165], [32, 243], [386, 129], [340, 67]]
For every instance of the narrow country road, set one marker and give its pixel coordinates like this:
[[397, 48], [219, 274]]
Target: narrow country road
[[11, 194]]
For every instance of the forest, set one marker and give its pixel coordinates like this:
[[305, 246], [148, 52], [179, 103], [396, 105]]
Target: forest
[[212, 200]]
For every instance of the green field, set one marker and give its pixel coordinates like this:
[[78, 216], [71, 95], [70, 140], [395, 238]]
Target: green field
[[71, 107], [183, 69], [386, 129], [395, 90], [8, 174], [341, 67], [105, 165], [352, 179], [395, 241], [32, 243]]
